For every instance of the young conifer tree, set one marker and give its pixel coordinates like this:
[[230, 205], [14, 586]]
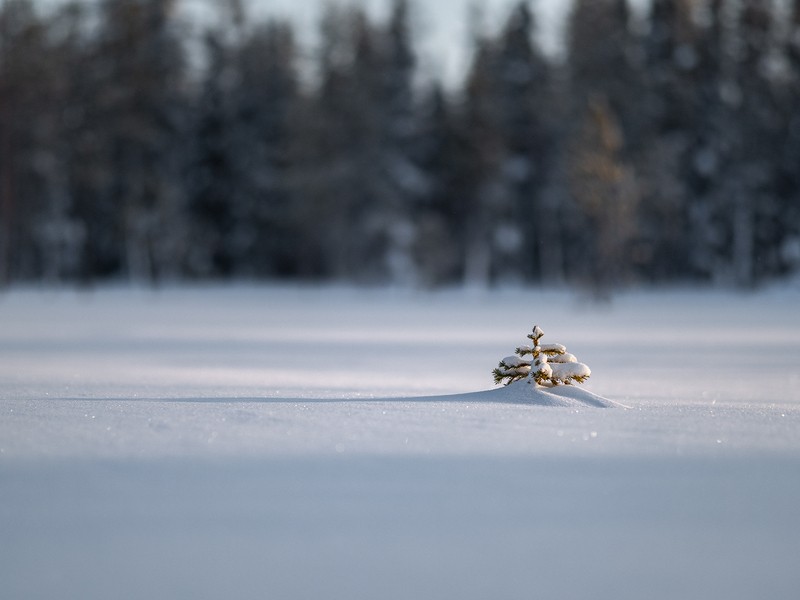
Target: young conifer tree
[[550, 364]]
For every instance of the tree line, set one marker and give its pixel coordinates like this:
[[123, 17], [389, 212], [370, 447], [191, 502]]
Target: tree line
[[663, 146]]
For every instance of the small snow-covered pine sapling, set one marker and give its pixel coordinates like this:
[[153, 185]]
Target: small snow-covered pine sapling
[[550, 364]]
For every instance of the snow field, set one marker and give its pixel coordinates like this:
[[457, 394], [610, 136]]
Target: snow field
[[339, 443]]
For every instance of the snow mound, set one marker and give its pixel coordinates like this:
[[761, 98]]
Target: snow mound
[[521, 392]]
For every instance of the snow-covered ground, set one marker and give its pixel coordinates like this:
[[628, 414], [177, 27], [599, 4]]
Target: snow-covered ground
[[275, 442]]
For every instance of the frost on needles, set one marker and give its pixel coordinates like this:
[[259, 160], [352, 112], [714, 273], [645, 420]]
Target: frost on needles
[[550, 364]]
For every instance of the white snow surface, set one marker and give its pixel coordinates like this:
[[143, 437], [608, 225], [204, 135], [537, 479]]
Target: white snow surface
[[276, 442]]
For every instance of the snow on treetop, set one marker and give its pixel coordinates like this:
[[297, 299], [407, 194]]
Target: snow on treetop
[[552, 348], [565, 357], [570, 370], [514, 361], [521, 370]]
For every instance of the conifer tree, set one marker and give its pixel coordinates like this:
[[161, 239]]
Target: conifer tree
[[40, 236], [268, 97], [24, 96], [488, 202], [549, 365], [358, 166], [735, 217], [340, 147], [440, 215], [139, 118], [213, 177], [601, 178], [405, 183], [523, 81], [603, 189], [671, 102], [789, 174]]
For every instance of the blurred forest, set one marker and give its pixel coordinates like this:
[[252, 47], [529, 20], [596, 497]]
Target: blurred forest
[[662, 147]]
